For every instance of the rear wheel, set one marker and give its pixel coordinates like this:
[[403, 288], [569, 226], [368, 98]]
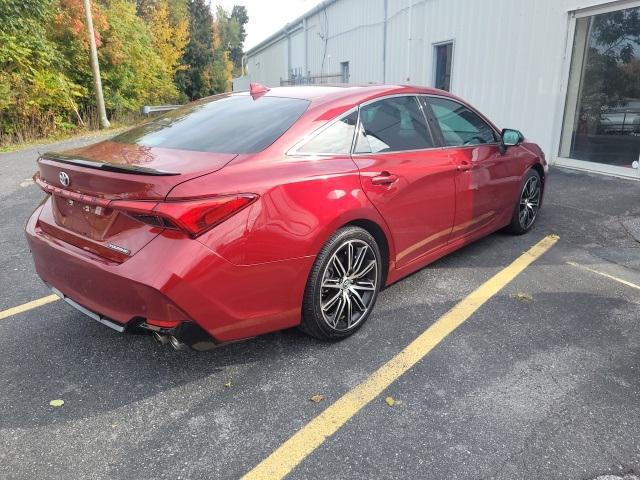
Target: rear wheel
[[526, 211], [343, 285]]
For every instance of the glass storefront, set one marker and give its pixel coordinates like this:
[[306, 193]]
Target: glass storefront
[[602, 112]]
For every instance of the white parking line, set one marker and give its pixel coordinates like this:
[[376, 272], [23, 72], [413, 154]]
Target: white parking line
[[611, 277]]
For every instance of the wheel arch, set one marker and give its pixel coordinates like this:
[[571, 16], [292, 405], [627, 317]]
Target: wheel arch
[[381, 239], [540, 169]]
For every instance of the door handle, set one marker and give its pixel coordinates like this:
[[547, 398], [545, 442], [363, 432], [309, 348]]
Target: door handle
[[385, 178]]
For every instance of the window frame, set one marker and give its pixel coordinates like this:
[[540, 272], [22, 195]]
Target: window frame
[[431, 121], [434, 50], [435, 135], [436, 125], [295, 150]]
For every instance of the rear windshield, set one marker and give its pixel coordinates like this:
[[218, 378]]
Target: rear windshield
[[230, 124]]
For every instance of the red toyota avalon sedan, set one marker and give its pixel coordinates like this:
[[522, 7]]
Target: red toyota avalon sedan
[[242, 214]]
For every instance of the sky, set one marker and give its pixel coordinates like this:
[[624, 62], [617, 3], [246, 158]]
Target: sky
[[267, 16]]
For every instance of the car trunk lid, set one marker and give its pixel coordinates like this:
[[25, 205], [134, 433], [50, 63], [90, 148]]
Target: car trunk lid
[[87, 183]]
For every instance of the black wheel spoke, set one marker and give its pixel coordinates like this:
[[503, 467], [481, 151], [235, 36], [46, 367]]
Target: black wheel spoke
[[349, 285], [529, 203]]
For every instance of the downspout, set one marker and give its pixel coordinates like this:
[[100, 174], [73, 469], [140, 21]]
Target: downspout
[[306, 49], [409, 41], [288, 51], [384, 42]]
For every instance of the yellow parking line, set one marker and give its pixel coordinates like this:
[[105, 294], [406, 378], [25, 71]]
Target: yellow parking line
[[620, 280], [285, 458], [28, 306]]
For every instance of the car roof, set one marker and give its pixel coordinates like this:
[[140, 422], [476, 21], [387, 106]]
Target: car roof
[[324, 94]]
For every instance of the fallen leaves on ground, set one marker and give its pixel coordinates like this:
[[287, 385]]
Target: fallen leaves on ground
[[56, 403], [317, 398], [522, 297], [228, 384], [390, 401]]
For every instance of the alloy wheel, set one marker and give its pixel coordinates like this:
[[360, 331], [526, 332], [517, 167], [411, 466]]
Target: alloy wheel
[[529, 202], [348, 287]]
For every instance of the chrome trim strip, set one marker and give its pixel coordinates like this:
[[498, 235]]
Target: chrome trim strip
[[293, 151], [115, 326]]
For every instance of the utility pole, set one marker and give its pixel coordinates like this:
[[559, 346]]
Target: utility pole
[[97, 83]]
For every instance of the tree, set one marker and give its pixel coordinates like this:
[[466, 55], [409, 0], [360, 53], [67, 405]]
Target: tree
[[239, 14], [226, 35], [195, 79], [146, 8], [169, 38], [36, 94], [150, 51], [612, 66], [134, 73]]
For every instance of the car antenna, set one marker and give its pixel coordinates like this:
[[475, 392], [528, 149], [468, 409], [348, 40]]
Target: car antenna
[[257, 90]]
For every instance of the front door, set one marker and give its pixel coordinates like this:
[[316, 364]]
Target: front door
[[485, 176], [406, 176]]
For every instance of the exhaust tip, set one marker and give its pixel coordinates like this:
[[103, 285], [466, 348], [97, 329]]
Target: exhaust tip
[[177, 344], [160, 339]]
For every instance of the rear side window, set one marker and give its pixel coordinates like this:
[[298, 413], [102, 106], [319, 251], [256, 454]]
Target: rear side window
[[336, 138], [460, 126], [229, 124], [393, 125]]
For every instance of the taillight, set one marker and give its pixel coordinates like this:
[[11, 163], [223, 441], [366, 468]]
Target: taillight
[[194, 217]]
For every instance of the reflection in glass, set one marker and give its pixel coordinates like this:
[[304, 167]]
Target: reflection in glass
[[221, 124], [393, 125], [335, 139], [602, 114]]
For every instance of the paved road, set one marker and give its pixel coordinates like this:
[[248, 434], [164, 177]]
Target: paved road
[[539, 387]]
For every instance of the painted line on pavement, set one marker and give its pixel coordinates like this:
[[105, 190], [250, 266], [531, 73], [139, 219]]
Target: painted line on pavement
[[293, 451], [611, 277], [28, 306]]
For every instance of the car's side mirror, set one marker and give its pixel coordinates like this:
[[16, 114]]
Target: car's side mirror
[[510, 138]]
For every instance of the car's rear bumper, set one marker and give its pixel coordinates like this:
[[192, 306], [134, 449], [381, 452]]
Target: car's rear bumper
[[171, 280]]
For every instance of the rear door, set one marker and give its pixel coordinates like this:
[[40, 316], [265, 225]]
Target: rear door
[[485, 176], [406, 175]]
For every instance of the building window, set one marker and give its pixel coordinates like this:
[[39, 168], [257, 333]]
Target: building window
[[443, 61], [344, 71], [602, 110]]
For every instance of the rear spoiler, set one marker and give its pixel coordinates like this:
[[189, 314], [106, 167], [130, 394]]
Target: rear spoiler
[[110, 167]]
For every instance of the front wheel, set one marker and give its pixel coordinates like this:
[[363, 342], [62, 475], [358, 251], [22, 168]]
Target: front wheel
[[528, 207], [343, 285]]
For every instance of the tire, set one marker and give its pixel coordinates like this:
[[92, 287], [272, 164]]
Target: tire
[[527, 208], [341, 293]]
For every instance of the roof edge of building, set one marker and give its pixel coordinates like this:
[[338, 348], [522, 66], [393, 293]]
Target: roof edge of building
[[288, 28]]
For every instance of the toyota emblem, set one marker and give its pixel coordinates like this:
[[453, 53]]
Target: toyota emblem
[[64, 178]]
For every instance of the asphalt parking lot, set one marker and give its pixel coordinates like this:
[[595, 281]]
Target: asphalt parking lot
[[541, 382]]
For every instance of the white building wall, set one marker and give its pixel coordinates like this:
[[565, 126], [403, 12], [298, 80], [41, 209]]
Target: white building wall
[[508, 56], [349, 31], [297, 53], [270, 64]]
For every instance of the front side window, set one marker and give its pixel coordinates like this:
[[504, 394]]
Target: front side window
[[226, 124], [335, 139], [393, 125], [460, 126]]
